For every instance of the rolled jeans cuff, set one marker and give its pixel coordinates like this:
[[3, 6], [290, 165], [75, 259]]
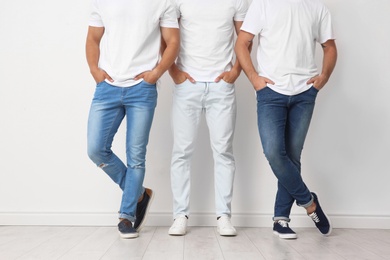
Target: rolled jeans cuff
[[306, 205], [128, 217], [281, 218]]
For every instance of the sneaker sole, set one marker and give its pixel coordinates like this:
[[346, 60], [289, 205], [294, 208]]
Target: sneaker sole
[[151, 196], [285, 236], [127, 236], [227, 234], [172, 233]]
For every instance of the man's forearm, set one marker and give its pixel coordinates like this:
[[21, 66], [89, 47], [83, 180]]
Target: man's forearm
[[243, 55], [329, 59], [170, 50], [92, 53], [92, 47]]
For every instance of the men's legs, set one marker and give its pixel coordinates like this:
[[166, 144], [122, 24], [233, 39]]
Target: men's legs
[[273, 118], [140, 102], [299, 115], [221, 119], [106, 114], [220, 105], [186, 113]]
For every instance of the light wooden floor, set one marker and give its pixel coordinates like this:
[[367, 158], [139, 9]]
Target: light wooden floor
[[84, 243]]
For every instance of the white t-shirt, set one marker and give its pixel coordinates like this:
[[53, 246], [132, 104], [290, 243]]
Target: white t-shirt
[[132, 36], [288, 31], [207, 36]]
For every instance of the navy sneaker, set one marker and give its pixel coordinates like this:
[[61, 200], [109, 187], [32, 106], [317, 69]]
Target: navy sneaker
[[320, 218], [282, 230], [126, 229], [143, 208]]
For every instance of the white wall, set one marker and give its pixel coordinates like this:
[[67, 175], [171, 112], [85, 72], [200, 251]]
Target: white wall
[[45, 93]]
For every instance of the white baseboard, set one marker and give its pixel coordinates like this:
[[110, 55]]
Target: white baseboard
[[196, 219]]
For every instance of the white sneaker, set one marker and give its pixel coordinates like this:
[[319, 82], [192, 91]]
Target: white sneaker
[[225, 227], [179, 226]]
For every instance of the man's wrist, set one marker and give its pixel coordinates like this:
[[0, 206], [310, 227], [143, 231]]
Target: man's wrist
[[94, 69], [173, 70], [325, 76], [252, 75], [236, 70], [157, 72]]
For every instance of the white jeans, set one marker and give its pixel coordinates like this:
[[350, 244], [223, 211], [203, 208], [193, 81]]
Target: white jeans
[[218, 102]]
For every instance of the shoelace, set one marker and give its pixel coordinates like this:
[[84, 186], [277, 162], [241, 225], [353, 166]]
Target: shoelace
[[283, 223], [314, 217]]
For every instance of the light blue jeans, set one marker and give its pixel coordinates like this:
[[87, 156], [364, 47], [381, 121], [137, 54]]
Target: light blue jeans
[[283, 122], [218, 102], [109, 106]]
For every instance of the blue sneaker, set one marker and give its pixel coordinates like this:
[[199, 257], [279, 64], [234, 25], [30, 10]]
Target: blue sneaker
[[143, 208], [282, 230], [126, 229], [320, 218]]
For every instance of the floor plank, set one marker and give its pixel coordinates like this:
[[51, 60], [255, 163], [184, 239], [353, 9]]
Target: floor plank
[[342, 244], [130, 248], [238, 247], [202, 243], [375, 241], [22, 239], [308, 249], [271, 246], [58, 245], [164, 246], [104, 243], [93, 246]]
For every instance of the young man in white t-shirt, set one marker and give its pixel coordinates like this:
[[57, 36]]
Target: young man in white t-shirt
[[123, 54], [287, 83], [204, 76]]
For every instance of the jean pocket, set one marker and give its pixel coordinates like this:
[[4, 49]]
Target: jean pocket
[[315, 89], [182, 83], [227, 83], [262, 89], [100, 83], [147, 83]]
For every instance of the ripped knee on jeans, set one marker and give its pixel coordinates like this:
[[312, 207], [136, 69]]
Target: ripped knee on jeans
[[102, 165]]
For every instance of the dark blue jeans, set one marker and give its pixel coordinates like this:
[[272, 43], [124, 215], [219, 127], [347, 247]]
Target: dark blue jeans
[[283, 122]]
